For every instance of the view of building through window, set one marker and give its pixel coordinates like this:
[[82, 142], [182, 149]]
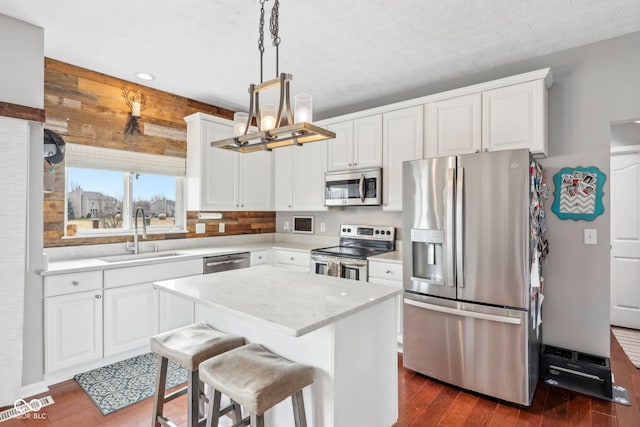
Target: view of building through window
[[96, 199]]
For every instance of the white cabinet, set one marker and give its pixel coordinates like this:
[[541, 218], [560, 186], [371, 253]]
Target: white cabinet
[[402, 140], [515, 117], [358, 144], [258, 257], [299, 177], [453, 126], [390, 274], [72, 329], [294, 260], [174, 311], [500, 118], [219, 179], [130, 318]]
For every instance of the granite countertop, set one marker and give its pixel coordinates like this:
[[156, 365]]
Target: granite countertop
[[291, 302], [124, 260]]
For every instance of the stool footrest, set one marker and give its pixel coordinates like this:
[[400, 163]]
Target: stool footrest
[[176, 394], [245, 422], [166, 422]]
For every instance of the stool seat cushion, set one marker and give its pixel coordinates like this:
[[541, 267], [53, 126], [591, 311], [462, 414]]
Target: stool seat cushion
[[191, 345], [255, 377]]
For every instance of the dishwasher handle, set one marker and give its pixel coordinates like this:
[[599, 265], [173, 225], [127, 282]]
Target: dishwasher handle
[[217, 263]]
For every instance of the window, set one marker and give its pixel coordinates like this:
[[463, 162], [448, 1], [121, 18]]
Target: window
[[101, 198]]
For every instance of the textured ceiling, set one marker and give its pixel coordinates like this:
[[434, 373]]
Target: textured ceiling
[[345, 52]]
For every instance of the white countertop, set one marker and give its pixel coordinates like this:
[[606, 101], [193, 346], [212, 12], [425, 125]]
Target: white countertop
[[394, 257], [98, 263], [292, 302]]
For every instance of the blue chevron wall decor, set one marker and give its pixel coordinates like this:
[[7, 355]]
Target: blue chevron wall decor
[[578, 193]]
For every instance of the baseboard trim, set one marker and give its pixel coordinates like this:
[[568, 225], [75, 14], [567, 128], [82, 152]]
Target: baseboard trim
[[34, 389]]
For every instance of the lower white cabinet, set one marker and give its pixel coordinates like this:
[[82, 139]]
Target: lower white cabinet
[[174, 311], [390, 274], [258, 257], [130, 317], [72, 329], [294, 260]]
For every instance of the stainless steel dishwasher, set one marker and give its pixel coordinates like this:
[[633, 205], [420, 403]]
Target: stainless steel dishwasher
[[217, 263]]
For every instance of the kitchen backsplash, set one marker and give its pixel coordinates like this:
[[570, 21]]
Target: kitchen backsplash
[[334, 217]]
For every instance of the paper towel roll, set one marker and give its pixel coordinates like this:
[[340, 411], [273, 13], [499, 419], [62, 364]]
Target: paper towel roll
[[209, 215]]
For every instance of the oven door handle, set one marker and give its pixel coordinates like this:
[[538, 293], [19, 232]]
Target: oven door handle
[[361, 187]]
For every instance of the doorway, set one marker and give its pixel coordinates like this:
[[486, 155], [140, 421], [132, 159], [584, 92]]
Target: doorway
[[625, 224]]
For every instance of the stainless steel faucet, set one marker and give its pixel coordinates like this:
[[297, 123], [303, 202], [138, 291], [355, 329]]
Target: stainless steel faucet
[[136, 249]]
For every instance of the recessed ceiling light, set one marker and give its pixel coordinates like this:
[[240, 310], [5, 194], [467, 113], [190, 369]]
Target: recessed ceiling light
[[145, 76]]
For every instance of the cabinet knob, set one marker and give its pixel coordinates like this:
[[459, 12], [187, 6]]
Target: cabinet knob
[[477, 151], [289, 205], [260, 257], [355, 164], [75, 283], [349, 164], [98, 296], [237, 206], [486, 149], [388, 271], [242, 206], [291, 258]]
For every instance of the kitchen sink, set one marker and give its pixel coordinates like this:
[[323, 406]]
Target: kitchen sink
[[135, 257]]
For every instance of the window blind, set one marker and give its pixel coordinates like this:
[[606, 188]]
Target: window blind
[[90, 157]]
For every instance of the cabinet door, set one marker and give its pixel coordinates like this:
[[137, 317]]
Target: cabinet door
[[309, 166], [256, 180], [515, 117], [130, 317], [221, 180], [340, 149], [283, 175], [453, 126], [402, 140], [367, 142], [174, 311], [72, 329]]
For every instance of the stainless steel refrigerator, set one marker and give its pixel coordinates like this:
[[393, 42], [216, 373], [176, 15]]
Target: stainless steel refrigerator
[[469, 308]]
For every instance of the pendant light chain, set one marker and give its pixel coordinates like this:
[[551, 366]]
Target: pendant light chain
[[274, 28], [261, 36]]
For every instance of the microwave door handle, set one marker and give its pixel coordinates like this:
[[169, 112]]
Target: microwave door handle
[[362, 188]]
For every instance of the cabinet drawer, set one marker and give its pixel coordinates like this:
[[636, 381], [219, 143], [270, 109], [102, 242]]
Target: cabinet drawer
[[302, 259], [385, 270], [151, 273], [71, 283], [258, 257]]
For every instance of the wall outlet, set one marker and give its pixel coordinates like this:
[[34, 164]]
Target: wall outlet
[[322, 227], [590, 236], [286, 226], [221, 227], [201, 228]]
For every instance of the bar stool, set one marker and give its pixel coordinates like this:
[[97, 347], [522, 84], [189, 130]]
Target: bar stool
[[188, 346], [257, 379]]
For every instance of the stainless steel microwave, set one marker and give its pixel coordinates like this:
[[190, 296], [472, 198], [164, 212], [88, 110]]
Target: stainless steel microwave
[[355, 187]]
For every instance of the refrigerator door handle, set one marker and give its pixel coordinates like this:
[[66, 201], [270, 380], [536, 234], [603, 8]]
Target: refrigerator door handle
[[449, 241], [460, 228], [465, 313]]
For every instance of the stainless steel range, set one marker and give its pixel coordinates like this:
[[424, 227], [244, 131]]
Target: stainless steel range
[[357, 243]]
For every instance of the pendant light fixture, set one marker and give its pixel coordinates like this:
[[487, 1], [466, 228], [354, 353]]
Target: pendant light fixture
[[272, 131]]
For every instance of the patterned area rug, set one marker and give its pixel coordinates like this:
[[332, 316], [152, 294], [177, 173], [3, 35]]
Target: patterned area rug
[[123, 383], [629, 340]]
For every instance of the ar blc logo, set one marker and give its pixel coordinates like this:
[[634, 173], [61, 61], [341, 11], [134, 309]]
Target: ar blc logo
[[24, 409]]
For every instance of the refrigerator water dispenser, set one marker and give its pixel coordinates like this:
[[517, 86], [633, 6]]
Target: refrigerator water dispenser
[[428, 255]]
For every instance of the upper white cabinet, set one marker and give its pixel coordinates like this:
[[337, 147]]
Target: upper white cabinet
[[358, 144], [499, 115], [515, 117], [299, 177], [402, 140], [453, 126], [220, 179]]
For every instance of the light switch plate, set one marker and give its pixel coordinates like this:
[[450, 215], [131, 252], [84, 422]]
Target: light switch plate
[[590, 236], [201, 228]]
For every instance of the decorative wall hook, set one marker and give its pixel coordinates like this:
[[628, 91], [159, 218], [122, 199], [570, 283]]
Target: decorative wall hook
[[136, 100]]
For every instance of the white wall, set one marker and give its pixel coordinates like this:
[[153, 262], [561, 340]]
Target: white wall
[[22, 83], [594, 85]]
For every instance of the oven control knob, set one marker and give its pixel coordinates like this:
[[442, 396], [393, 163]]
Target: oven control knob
[[377, 231], [349, 230], [388, 233], [344, 230]]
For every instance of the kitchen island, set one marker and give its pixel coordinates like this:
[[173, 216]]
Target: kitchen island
[[345, 329]]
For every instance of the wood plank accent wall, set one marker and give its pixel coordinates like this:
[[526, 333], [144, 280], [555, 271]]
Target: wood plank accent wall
[[87, 107]]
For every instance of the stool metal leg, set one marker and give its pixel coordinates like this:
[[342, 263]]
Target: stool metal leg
[[193, 399], [161, 382], [237, 412], [299, 415], [213, 414]]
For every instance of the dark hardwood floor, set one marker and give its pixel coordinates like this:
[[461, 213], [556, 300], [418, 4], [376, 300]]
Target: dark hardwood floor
[[422, 402]]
